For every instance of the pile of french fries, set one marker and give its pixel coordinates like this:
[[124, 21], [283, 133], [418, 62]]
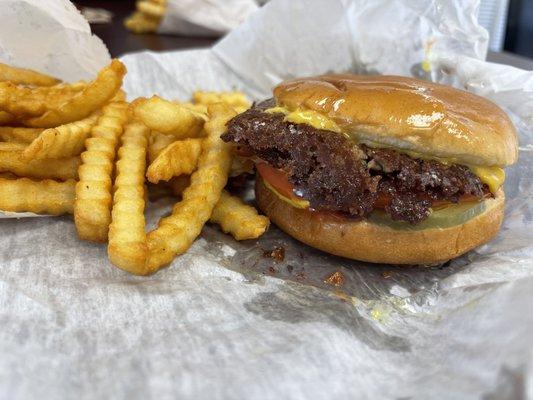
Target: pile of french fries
[[147, 17], [81, 149]]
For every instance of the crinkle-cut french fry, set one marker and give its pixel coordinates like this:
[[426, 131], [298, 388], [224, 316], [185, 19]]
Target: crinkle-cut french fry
[[157, 143], [11, 161], [39, 197], [120, 95], [168, 117], [153, 10], [19, 135], [6, 118], [127, 237], [198, 108], [238, 218], [138, 22], [25, 76], [23, 101], [20, 100], [92, 209], [234, 99], [8, 175], [180, 157], [175, 234], [240, 109], [64, 141], [76, 86], [232, 214], [85, 102]]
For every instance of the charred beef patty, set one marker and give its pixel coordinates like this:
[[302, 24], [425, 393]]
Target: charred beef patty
[[335, 174]]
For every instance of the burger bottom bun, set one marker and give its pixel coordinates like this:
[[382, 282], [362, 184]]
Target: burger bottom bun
[[366, 241]]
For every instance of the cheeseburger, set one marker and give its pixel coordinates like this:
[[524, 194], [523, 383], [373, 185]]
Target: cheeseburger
[[384, 169]]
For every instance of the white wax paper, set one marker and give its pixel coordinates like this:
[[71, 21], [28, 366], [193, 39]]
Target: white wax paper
[[50, 36], [223, 321], [204, 17]]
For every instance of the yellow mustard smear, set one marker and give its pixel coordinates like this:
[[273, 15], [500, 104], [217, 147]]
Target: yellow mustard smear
[[293, 202], [309, 117]]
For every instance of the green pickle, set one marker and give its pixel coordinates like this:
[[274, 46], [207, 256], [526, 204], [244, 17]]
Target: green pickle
[[439, 219]]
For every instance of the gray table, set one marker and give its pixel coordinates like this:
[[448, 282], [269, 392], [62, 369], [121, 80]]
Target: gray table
[[511, 59]]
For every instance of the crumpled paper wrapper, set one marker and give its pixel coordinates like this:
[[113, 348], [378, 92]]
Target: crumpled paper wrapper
[[204, 17], [224, 321], [50, 36]]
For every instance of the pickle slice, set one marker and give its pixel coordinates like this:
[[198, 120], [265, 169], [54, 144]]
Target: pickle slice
[[439, 219]]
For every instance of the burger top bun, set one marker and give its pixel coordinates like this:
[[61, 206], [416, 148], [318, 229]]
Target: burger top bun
[[405, 113]]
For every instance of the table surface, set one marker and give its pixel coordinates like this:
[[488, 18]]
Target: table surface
[[120, 41]]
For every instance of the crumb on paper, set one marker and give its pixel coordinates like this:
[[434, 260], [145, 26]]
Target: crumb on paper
[[301, 276], [277, 253], [336, 279], [290, 268], [386, 274], [272, 271]]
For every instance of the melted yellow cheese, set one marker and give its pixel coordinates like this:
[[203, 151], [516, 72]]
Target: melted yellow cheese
[[309, 117], [293, 202], [493, 177]]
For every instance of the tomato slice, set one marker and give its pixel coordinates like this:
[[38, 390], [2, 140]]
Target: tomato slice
[[278, 180]]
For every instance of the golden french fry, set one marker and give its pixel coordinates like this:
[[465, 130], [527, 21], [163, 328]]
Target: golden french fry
[[92, 209], [153, 10], [64, 141], [19, 135], [175, 234], [198, 108], [20, 100], [11, 161], [6, 118], [127, 238], [39, 197], [232, 214], [180, 157], [238, 218], [25, 76], [168, 118], [240, 109], [157, 143], [138, 22], [120, 95], [85, 102], [24, 101], [233, 99], [8, 175], [77, 86]]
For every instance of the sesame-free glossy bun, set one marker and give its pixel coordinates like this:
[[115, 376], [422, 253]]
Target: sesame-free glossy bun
[[367, 241], [409, 114]]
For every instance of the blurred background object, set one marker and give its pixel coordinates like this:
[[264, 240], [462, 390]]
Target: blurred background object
[[510, 25], [493, 17], [519, 32], [199, 23], [189, 17], [97, 15]]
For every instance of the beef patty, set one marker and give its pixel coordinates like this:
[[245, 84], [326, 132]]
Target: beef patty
[[335, 174]]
